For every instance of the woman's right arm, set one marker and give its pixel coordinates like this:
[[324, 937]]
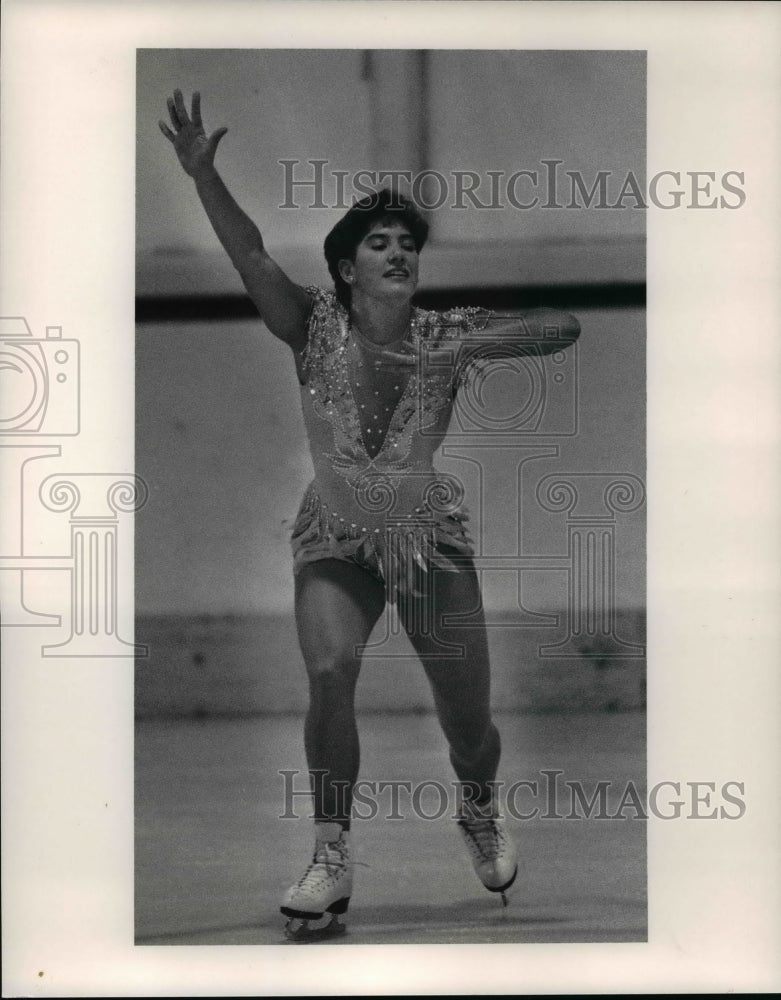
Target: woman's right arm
[[283, 305]]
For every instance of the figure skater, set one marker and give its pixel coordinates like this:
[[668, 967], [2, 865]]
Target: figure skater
[[378, 524]]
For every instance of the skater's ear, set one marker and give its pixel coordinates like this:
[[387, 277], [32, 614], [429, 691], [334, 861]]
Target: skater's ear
[[347, 270]]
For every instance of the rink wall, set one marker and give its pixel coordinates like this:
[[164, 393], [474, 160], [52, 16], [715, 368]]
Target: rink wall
[[200, 666]]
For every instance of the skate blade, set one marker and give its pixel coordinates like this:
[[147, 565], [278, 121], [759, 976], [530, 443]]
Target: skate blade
[[306, 931], [502, 890]]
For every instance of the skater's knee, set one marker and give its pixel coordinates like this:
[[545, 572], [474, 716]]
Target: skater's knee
[[333, 671]]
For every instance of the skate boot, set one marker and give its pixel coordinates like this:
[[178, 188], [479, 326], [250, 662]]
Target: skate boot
[[494, 855], [325, 887]]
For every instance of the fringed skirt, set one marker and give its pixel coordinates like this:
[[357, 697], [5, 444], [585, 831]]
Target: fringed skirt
[[399, 551]]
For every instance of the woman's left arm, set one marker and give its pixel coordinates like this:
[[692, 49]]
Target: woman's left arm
[[481, 335], [536, 331]]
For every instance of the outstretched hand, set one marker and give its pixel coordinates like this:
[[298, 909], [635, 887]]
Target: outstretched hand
[[194, 148], [430, 360]]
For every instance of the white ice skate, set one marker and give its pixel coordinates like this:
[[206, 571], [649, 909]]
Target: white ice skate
[[494, 855], [325, 887]]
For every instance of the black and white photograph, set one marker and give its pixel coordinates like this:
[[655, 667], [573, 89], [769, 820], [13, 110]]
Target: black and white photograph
[[390, 408], [394, 448]]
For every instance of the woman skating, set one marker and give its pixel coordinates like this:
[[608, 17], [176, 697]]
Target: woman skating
[[378, 524]]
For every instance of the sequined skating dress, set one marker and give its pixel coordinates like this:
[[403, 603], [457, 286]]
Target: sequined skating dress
[[376, 499]]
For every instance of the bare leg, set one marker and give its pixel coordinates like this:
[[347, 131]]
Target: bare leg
[[337, 606], [460, 683]]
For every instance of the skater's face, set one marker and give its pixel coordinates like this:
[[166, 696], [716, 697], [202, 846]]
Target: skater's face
[[385, 265]]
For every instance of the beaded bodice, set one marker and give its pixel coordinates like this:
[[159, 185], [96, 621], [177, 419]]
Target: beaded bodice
[[377, 388], [367, 424], [376, 497]]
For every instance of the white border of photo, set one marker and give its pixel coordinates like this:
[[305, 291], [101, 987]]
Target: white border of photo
[[68, 140]]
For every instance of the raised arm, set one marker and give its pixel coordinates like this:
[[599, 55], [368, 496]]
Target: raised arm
[[283, 305]]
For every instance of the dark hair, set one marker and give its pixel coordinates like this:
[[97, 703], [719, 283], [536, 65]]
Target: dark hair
[[380, 206]]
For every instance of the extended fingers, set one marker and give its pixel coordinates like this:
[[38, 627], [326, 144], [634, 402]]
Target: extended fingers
[[179, 116], [178, 112], [197, 109], [181, 110], [430, 358], [173, 113], [395, 359]]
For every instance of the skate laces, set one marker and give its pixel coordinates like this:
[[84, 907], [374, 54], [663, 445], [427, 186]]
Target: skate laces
[[485, 835], [331, 859]]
